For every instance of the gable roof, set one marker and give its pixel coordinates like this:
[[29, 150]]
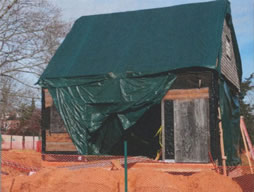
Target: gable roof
[[98, 77], [147, 41]]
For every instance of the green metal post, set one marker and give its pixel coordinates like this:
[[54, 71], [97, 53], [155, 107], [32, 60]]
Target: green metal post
[[125, 167], [0, 157]]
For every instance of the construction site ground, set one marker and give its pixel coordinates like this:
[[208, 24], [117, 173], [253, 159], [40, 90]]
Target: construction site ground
[[26, 171]]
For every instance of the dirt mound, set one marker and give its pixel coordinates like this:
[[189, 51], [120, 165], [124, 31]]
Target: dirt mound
[[61, 180], [15, 163], [142, 177], [246, 182], [212, 182], [101, 179], [27, 158]]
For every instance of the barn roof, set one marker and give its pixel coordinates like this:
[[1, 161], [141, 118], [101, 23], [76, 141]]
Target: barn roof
[[147, 41], [111, 69]]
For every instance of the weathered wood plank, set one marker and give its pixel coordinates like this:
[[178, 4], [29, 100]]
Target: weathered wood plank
[[191, 130], [55, 137], [187, 94], [60, 146], [48, 98], [59, 142]]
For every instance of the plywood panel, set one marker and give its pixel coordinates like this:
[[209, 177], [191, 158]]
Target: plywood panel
[[187, 94], [191, 130], [59, 142], [60, 146], [48, 98]]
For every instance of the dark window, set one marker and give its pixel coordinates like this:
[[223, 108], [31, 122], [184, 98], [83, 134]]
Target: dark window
[[228, 49]]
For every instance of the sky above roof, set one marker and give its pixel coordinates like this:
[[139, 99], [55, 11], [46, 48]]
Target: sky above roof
[[242, 13]]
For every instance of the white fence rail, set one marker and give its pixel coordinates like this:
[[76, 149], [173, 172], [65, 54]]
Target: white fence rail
[[20, 142]]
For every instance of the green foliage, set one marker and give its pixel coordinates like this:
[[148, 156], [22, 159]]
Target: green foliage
[[246, 104]]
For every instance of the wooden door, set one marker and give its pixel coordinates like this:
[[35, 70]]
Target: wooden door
[[186, 133]]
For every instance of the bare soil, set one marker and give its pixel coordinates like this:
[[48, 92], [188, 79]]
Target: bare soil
[[106, 179]]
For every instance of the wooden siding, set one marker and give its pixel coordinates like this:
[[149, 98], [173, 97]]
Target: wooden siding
[[48, 99], [56, 138], [186, 94], [59, 142], [228, 64]]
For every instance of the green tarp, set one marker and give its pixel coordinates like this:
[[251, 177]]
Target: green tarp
[[119, 101], [230, 116], [112, 68], [148, 41]]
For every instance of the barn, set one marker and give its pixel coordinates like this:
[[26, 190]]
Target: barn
[[123, 76]]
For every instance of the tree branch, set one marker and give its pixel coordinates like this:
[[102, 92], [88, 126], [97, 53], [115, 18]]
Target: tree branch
[[8, 8]]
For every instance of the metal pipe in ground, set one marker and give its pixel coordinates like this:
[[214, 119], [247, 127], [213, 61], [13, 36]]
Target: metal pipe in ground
[[125, 167]]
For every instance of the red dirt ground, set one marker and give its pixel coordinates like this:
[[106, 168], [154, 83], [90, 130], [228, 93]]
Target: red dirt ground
[[141, 178]]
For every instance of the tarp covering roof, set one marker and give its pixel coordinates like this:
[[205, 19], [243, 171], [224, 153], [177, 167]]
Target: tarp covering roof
[[152, 40], [112, 69]]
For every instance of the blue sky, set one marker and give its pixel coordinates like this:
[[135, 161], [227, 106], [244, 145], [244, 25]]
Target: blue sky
[[242, 13]]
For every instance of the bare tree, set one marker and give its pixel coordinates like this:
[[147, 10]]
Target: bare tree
[[30, 32], [5, 6]]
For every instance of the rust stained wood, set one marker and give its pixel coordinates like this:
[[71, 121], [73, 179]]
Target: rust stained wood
[[183, 94], [56, 141], [58, 146], [55, 137], [59, 142], [48, 99]]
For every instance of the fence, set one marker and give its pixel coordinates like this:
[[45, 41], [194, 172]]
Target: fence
[[20, 142]]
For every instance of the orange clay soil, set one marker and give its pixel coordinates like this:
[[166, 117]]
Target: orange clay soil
[[245, 164], [27, 158], [31, 159], [141, 178], [101, 179]]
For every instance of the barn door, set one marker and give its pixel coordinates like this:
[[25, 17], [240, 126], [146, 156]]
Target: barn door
[[186, 133]]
